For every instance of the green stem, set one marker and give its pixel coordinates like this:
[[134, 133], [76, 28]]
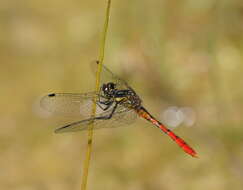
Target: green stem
[[97, 84]]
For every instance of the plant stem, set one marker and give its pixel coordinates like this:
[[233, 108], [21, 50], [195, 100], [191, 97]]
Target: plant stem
[[97, 84]]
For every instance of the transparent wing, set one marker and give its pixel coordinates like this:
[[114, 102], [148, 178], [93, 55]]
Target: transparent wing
[[122, 117], [69, 104], [108, 76]]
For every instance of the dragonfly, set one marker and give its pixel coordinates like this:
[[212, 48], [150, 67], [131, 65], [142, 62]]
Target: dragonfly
[[117, 105]]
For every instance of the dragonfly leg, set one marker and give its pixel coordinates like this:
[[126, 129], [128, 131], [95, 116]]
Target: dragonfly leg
[[106, 103], [108, 106], [110, 115]]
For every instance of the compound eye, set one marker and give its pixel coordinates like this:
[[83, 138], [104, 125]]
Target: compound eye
[[111, 86]]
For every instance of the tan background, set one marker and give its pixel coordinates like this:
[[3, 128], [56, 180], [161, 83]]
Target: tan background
[[174, 53]]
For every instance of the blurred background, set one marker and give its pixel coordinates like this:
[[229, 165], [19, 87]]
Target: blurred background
[[184, 58]]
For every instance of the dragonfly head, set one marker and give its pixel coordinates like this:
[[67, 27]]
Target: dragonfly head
[[109, 89]]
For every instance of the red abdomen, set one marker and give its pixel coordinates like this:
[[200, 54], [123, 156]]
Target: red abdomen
[[142, 112]]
